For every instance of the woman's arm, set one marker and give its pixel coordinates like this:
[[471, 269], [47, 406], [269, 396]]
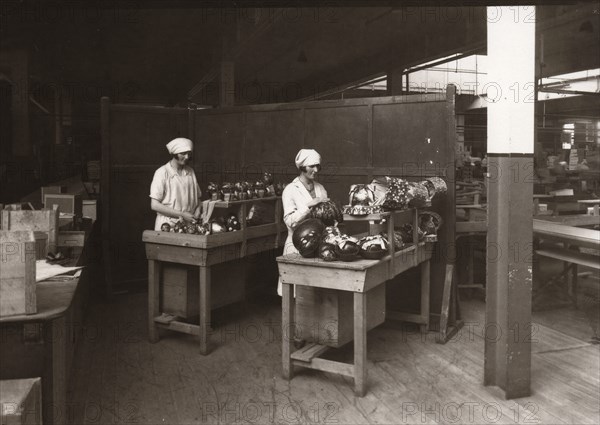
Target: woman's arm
[[170, 212], [295, 210], [198, 211]]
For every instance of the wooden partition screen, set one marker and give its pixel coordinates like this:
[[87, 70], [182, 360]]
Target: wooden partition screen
[[133, 147], [404, 136]]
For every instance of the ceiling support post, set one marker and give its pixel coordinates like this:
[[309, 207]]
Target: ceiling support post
[[511, 58]]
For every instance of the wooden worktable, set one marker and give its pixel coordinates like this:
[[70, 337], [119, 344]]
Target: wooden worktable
[[586, 238], [203, 251], [358, 277], [565, 232], [577, 220], [42, 344]]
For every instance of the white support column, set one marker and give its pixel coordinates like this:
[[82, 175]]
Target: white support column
[[510, 95]]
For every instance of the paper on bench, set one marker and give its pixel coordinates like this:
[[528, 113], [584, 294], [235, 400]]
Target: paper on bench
[[44, 271]]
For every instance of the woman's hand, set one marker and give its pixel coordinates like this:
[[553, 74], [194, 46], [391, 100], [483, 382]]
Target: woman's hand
[[188, 216], [316, 201]]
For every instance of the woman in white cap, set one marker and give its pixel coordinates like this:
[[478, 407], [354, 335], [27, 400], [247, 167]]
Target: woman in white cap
[[301, 194], [175, 192]]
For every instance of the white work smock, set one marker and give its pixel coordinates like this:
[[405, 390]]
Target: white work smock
[[178, 191], [295, 197]]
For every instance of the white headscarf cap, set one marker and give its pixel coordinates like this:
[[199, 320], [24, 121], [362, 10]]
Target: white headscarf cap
[[307, 157], [180, 145]]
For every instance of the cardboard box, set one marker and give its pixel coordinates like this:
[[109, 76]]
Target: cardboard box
[[180, 291], [17, 274], [89, 208], [66, 222], [70, 243], [326, 316], [36, 221], [67, 203], [71, 238], [21, 401]]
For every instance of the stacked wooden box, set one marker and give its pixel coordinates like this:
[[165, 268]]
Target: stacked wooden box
[[180, 293], [17, 274], [52, 190], [70, 207], [21, 401], [89, 209], [325, 316], [43, 223]]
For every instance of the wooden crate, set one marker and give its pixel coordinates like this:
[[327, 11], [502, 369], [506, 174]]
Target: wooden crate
[[325, 316], [17, 274], [67, 203], [180, 288], [52, 190], [70, 243], [73, 238], [41, 245], [45, 220], [21, 401], [66, 222], [18, 207]]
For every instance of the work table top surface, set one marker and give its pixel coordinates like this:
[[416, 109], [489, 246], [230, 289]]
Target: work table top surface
[[357, 265], [575, 235], [573, 219], [53, 298]]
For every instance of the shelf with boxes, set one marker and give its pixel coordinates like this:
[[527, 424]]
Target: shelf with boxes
[[180, 265], [33, 306], [50, 237], [75, 212], [70, 207]]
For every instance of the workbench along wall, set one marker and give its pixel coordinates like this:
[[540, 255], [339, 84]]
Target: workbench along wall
[[404, 136]]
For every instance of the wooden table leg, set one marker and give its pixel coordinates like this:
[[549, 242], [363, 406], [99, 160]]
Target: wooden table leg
[[425, 291], [360, 344], [573, 286], [59, 371], [204, 277], [470, 261], [571, 279], [287, 329], [153, 298]]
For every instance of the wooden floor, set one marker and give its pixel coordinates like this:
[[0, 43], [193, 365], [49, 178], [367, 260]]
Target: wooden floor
[[120, 378]]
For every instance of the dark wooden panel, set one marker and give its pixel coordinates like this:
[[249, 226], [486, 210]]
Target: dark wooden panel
[[130, 215], [239, 143], [140, 138], [338, 186], [272, 141], [219, 141], [401, 133], [339, 134]]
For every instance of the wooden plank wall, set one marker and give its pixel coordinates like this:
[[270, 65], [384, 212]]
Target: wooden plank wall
[[404, 136], [138, 136]]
